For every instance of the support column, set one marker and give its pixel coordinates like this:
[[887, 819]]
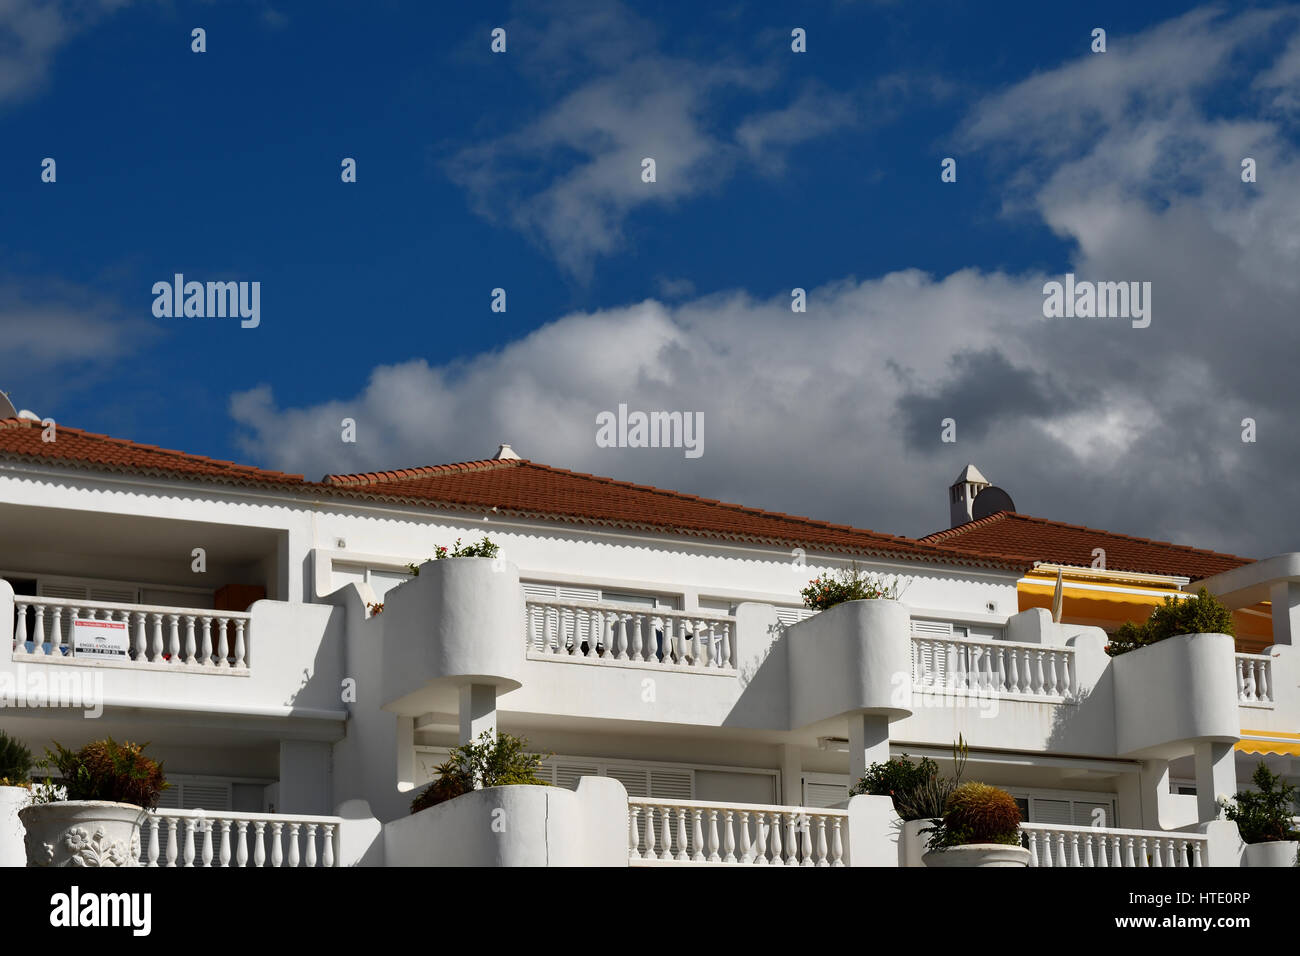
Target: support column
[[306, 777], [1154, 786], [1285, 597], [1216, 776], [478, 711], [868, 744], [405, 754], [791, 776]]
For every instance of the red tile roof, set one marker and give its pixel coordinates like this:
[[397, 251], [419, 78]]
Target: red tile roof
[[73, 447], [1008, 534], [524, 488]]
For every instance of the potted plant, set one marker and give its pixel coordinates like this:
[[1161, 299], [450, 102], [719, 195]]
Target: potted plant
[[1263, 816], [1202, 614], [980, 827], [918, 792], [494, 761], [848, 584], [95, 818], [482, 549]]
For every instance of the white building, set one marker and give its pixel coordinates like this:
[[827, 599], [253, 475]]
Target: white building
[[300, 721]]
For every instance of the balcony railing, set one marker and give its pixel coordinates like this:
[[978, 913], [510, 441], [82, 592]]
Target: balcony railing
[[1255, 680], [1057, 846], [665, 832], [961, 665], [165, 637], [172, 838], [640, 636]]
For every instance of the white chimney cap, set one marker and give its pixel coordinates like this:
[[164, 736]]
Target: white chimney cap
[[504, 451], [29, 415], [971, 474]]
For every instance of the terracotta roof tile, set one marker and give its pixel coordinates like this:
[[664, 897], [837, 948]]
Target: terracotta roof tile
[[1009, 534], [77, 448], [528, 489]]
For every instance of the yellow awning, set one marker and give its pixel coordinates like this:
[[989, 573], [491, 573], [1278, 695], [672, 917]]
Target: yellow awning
[[1269, 742]]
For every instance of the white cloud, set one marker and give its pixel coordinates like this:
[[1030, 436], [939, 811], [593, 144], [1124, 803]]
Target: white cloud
[[32, 31], [836, 412]]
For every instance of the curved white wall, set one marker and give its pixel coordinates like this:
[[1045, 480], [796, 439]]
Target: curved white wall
[[1177, 691], [459, 622], [856, 657], [517, 826]]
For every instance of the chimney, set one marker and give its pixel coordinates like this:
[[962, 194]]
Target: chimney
[[961, 495], [505, 452]]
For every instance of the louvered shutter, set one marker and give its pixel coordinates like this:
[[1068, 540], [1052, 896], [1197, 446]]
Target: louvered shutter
[[1059, 812], [671, 784], [635, 779], [567, 774], [824, 794], [89, 591], [793, 615], [1083, 813]]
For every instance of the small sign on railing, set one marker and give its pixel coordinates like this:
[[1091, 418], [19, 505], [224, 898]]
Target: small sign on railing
[[99, 639]]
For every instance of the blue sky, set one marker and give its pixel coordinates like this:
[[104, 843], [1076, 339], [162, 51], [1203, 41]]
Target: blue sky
[[775, 170]]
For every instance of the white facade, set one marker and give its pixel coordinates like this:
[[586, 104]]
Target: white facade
[[681, 668]]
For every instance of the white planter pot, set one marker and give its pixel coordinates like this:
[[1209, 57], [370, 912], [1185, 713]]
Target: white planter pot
[[1275, 853], [82, 833], [12, 799], [911, 842], [978, 854]]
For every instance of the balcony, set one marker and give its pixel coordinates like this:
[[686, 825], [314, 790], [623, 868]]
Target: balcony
[[1255, 680], [685, 832], [629, 636], [1032, 672], [185, 838], [139, 636]]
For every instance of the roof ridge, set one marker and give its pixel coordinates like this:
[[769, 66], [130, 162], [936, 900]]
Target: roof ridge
[[730, 505], [419, 471]]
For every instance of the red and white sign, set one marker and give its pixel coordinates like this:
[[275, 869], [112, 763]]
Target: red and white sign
[[99, 639]]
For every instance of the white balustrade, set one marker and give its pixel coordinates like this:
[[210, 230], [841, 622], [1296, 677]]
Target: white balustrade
[[964, 666], [213, 641], [173, 838], [653, 637], [673, 832], [1255, 680], [1058, 846]]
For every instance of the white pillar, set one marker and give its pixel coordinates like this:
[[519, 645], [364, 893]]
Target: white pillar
[[405, 754], [478, 711], [868, 744], [1155, 794], [1285, 597], [791, 776], [1216, 777]]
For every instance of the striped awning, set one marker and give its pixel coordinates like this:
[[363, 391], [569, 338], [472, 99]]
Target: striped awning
[[1269, 742]]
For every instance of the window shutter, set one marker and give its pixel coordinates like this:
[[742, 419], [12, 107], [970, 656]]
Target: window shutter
[[671, 784], [824, 794], [635, 779], [793, 615], [567, 774], [1051, 811]]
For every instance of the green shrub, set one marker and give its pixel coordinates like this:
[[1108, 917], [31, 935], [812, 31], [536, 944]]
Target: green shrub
[[15, 762], [107, 770], [912, 786], [1263, 815], [483, 549], [826, 591], [498, 761], [977, 813], [1203, 614]]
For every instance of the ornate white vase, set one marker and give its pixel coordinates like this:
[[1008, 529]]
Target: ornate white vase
[[82, 833]]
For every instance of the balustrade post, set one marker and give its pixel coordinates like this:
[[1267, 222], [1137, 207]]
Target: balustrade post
[[713, 837], [20, 630], [152, 851], [774, 839], [241, 846], [837, 843], [205, 644], [171, 842], [697, 835], [205, 827], [682, 855], [223, 649], [56, 631], [187, 854], [224, 858], [310, 859], [649, 833], [744, 837], [633, 832], [666, 828], [728, 837], [38, 633], [327, 845], [277, 848], [727, 650], [259, 843], [760, 838], [636, 650], [1032, 840]]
